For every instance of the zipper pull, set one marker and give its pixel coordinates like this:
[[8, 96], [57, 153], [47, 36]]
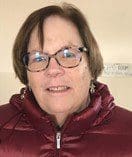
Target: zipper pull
[[58, 140]]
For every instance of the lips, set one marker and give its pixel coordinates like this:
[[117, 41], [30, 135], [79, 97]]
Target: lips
[[57, 89]]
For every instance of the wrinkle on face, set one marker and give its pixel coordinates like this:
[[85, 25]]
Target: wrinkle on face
[[59, 32]]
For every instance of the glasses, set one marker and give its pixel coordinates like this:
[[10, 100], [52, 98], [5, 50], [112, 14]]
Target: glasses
[[67, 57]]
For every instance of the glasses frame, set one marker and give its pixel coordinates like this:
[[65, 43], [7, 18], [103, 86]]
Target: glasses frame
[[80, 49]]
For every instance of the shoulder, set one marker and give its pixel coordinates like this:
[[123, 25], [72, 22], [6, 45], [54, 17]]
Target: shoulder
[[123, 112], [120, 122], [12, 109], [7, 112], [122, 116], [13, 118], [11, 112]]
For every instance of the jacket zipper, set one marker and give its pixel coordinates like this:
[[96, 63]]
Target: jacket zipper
[[58, 140]]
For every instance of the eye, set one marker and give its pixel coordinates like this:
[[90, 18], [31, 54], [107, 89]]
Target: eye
[[67, 53], [38, 57]]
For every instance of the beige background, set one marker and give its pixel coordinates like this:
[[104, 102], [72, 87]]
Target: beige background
[[110, 21]]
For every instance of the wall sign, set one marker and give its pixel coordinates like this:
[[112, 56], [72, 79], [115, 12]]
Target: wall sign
[[117, 69]]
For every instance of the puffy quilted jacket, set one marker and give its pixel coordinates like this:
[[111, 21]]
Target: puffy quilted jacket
[[100, 130]]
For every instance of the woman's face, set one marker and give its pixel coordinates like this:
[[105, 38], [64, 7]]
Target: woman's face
[[50, 86]]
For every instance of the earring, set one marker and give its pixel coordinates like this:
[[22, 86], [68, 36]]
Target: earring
[[92, 87], [23, 93], [26, 89], [30, 89]]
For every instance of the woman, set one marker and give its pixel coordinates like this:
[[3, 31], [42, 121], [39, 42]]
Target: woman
[[63, 111]]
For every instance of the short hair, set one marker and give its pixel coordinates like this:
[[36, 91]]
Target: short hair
[[37, 18]]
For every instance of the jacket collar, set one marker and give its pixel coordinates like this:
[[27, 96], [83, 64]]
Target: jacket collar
[[98, 111]]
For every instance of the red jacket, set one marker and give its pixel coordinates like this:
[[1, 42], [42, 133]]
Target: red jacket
[[101, 130]]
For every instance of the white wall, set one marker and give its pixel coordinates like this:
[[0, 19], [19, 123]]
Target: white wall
[[110, 21]]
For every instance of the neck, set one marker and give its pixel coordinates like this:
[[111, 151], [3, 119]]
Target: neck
[[60, 118]]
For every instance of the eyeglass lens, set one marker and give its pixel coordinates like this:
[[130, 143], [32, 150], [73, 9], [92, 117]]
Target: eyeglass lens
[[37, 61]]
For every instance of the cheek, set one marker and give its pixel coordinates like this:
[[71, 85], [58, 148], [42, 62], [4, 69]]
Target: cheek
[[85, 80], [82, 79], [34, 80]]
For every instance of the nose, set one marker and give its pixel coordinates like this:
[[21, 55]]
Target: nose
[[54, 69]]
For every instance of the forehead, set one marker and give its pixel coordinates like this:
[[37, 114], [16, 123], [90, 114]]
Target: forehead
[[57, 31]]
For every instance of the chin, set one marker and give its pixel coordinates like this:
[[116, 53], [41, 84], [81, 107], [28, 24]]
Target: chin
[[58, 108]]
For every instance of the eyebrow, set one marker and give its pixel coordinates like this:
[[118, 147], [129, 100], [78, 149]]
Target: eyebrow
[[68, 45]]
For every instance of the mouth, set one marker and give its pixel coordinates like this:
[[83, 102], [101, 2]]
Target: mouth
[[58, 89]]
